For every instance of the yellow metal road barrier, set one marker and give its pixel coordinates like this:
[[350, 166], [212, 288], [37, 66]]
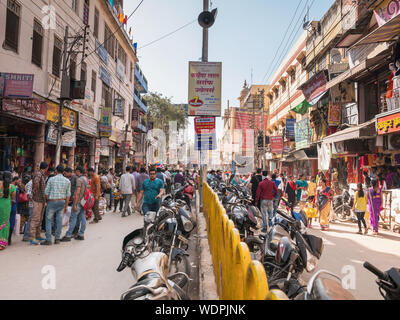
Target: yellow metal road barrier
[[237, 276]]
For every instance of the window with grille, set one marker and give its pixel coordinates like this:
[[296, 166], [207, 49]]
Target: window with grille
[[37, 44], [122, 55], [75, 5], [57, 56], [96, 23], [106, 96], [109, 41], [86, 12], [12, 25], [94, 84]]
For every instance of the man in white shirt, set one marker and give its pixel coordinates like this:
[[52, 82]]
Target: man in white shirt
[[127, 186]]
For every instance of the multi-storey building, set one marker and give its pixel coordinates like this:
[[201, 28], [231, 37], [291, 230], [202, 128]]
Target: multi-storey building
[[97, 127], [288, 110]]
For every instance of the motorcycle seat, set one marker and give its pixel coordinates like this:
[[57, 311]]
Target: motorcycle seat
[[327, 289]]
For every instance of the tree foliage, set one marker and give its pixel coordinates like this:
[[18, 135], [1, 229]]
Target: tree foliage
[[162, 111]]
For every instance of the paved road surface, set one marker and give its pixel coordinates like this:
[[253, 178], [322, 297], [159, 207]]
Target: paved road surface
[[84, 269], [343, 247]]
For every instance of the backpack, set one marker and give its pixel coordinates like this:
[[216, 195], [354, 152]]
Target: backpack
[[87, 202]]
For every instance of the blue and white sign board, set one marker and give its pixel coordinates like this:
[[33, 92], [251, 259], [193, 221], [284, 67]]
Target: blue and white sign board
[[205, 142]]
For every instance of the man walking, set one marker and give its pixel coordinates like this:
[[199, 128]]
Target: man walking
[[151, 193], [39, 202], [78, 212], [58, 192], [95, 186], [136, 175], [266, 193], [127, 187], [255, 181]]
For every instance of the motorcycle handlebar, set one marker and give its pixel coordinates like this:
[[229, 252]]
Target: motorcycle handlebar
[[374, 270]]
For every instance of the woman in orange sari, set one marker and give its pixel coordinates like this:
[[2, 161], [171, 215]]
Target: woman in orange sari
[[324, 196]]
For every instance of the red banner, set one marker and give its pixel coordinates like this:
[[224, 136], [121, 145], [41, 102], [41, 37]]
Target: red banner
[[28, 109], [334, 114], [276, 144], [204, 124]]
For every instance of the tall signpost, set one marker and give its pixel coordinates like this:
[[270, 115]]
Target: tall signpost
[[204, 86]]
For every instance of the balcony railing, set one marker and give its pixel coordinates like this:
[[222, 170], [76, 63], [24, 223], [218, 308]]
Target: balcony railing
[[393, 103], [139, 102], [142, 81]]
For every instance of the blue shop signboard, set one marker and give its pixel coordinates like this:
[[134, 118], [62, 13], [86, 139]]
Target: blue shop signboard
[[102, 52], [105, 76], [290, 132]]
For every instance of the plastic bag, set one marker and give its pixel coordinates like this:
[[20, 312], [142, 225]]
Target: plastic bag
[[66, 217], [17, 225]]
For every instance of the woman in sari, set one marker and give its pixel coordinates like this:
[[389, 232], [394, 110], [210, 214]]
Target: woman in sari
[[324, 195], [374, 205], [7, 193]]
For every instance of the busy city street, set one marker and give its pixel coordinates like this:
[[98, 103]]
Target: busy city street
[[200, 150]]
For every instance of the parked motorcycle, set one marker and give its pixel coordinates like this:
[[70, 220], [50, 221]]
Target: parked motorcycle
[[183, 192], [150, 269], [388, 282], [343, 204], [173, 225]]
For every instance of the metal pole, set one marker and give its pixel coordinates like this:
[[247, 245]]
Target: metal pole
[[60, 111], [263, 120], [204, 58]]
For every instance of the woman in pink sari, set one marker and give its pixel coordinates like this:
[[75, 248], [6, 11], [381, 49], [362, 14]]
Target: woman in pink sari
[[375, 204]]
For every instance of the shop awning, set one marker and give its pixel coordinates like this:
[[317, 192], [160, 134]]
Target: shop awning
[[353, 72], [306, 154], [302, 107], [366, 130], [384, 33], [315, 100]]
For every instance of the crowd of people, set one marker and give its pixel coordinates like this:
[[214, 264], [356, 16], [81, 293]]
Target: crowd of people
[[50, 198], [313, 194]]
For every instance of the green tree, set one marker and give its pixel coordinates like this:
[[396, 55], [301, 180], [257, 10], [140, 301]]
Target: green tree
[[162, 111]]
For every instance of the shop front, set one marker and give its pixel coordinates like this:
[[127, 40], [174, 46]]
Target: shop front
[[22, 129], [68, 135], [85, 151]]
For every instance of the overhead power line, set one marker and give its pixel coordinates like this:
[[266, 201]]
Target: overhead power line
[[283, 39], [119, 28], [167, 35]]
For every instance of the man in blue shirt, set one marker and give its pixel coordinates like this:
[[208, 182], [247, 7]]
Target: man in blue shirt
[[151, 192], [301, 185]]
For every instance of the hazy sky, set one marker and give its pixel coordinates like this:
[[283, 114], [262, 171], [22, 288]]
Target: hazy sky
[[245, 37]]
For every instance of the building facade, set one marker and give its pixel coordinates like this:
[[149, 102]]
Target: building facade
[[96, 127]]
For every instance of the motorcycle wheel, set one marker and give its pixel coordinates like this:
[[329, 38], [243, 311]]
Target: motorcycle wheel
[[180, 263], [344, 216], [256, 248], [293, 290]]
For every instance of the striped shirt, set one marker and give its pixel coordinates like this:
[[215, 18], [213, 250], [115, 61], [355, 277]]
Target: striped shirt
[[58, 187]]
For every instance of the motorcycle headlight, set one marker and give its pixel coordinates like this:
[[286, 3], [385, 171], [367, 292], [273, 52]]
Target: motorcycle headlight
[[187, 224]]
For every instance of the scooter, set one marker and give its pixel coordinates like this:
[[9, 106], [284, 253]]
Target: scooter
[[150, 270], [342, 205]]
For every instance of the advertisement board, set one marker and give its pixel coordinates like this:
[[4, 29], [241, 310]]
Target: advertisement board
[[17, 85], [276, 144], [388, 124], [69, 116], [205, 82], [204, 124]]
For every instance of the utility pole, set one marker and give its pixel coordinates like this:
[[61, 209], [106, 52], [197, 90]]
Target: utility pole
[[204, 58], [262, 92], [64, 79], [126, 154]]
